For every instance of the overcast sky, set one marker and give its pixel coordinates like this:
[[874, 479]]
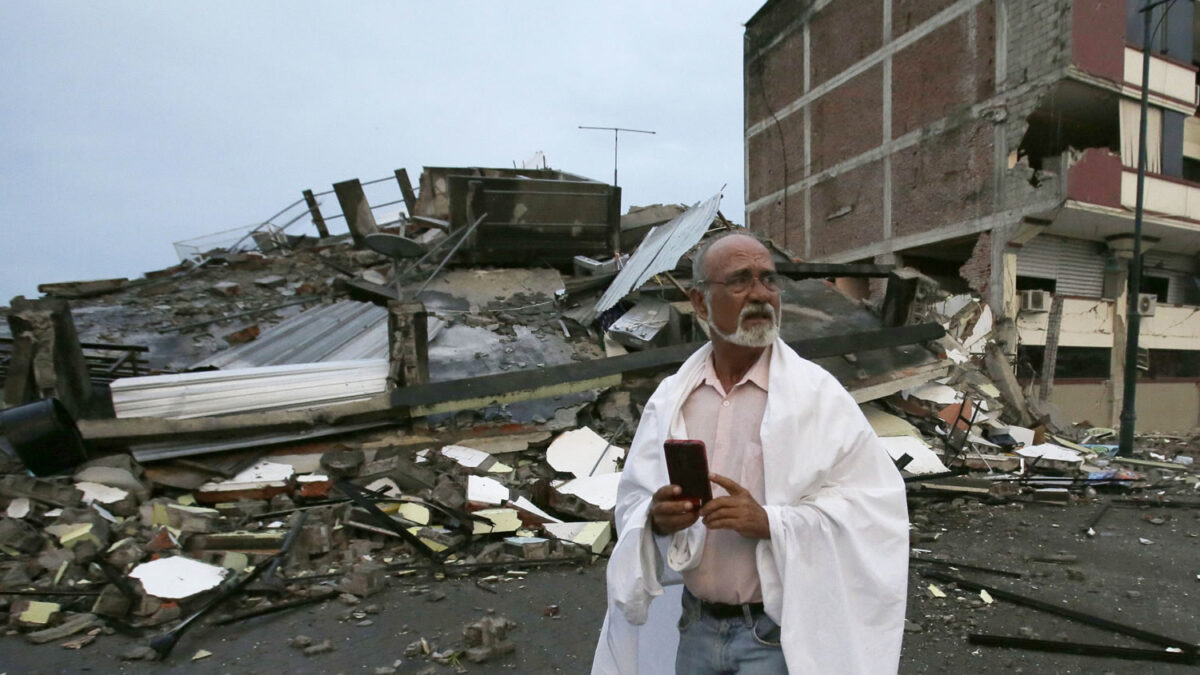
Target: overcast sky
[[125, 127]]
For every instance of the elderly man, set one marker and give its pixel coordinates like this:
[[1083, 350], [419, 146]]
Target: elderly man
[[800, 562]]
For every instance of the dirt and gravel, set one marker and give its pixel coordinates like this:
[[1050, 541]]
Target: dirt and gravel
[[1141, 568]]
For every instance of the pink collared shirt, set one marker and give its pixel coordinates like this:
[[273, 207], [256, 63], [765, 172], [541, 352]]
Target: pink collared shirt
[[728, 423]]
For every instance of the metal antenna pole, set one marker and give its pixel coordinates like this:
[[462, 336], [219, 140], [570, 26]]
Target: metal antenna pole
[[616, 140], [616, 136], [450, 255], [1133, 319]]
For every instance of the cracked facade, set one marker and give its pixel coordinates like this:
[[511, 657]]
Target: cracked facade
[[992, 144]]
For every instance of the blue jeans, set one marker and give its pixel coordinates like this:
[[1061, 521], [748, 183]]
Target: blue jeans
[[746, 645]]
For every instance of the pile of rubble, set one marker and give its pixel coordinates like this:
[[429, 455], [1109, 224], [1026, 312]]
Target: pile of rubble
[[962, 434], [109, 548], [315, 419]]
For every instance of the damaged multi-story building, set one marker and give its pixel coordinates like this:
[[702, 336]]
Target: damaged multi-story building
[[993, 145]]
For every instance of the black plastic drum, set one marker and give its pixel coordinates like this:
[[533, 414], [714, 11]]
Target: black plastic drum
[[44, 436]]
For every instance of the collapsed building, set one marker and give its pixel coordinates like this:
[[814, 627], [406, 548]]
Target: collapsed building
[[447, 389], [993, 146]]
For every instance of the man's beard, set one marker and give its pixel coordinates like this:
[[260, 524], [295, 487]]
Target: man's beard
[[758, 335]]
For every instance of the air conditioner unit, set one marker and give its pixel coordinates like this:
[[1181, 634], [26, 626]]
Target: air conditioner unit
[[1147, 303], [1035, 301]]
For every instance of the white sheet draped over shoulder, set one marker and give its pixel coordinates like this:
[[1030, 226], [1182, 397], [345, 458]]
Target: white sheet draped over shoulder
[[834, 573]]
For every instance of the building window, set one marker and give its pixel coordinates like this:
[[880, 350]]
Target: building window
[[1171, 27], [1156, 285], [1071, 362], [1131, 116], [1035, 284], [1174, 363], [1191, 169]]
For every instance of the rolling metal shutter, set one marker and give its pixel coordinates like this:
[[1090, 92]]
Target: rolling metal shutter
[[1180, 269], [1076, 265]]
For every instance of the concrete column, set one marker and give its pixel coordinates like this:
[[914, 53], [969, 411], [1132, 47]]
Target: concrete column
[[408, 344], [1002, 291], [877, 287], [1116, 363]]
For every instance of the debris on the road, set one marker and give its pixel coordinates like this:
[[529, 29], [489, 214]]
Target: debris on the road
[[300, 641], [463, 411], [34, 614], [582, 453], [177, 577], [323, 647], [76, 624], [487, 638]]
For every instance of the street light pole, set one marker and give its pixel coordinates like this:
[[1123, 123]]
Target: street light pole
[[616, 135], [1133, 320]]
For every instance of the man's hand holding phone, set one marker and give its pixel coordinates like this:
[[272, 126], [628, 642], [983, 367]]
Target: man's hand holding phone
[[670, 511], [738, 512], [676, 506]]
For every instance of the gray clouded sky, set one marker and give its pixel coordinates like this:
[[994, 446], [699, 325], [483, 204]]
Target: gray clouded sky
[[126, 126]]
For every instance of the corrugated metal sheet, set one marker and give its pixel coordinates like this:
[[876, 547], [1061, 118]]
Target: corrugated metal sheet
[[218, 392], [343, 331], [660, 250], [1076, 265], [151, 452], [1180, 269]]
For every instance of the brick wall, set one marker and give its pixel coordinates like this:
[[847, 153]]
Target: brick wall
[[950, 69], [848, 121], [908, 14], [951, 175], [1039, 38], [844, 33], [945, 179], [767, 152], [783, 67], [847, 210]]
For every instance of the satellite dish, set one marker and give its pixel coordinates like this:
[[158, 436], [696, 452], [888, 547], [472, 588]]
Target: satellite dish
[[393, 245]]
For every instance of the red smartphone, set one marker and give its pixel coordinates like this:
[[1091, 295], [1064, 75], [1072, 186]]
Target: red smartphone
[[687, 467]]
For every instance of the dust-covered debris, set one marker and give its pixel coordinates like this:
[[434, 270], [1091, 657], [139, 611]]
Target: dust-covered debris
[[497, 485]]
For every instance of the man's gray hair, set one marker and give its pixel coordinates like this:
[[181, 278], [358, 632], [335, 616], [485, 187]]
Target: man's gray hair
[[698, 264]]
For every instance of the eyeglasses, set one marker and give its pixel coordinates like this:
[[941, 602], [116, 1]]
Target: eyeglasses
[[742, 282]]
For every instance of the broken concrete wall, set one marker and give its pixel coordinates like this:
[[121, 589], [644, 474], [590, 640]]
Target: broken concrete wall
[[532, 215], [434, 196], [1039, 39], [531, 220], [47, 359]]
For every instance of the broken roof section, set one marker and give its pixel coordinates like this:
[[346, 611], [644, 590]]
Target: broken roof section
[[661, 250], [342, 331], [530, 216]]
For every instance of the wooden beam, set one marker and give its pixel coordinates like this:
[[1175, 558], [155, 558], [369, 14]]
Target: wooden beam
[[314, 210]]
